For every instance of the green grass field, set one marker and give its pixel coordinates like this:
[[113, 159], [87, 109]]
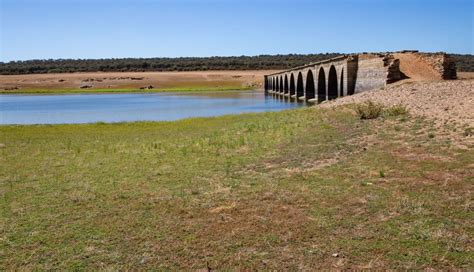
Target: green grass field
[[299, 189]]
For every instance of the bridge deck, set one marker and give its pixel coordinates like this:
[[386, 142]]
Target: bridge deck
[[311, 64]]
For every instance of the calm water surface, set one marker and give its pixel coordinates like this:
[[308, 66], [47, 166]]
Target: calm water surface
[[89, 108]]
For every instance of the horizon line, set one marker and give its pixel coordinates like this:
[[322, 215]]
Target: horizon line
[[232, 56]]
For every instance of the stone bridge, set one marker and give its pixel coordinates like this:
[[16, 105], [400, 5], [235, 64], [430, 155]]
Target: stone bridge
[[349, 74]]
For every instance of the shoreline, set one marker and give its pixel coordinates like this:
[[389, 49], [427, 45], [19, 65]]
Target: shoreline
[[132, 82], [143, 122], [124, 90]]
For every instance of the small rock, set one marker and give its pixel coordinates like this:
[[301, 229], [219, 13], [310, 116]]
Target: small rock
[[335, 255], [2, 145], [11, 89], [147, 87]]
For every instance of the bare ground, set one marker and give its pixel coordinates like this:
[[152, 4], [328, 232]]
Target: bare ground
[[123, 80], [466, 75], [416, 68], [448, 104]]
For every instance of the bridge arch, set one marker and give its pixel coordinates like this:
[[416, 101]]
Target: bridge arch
[[299, 86], [292, 84], [321, 85], [285, 89], [332, 83], [310, 89], [341, 88]]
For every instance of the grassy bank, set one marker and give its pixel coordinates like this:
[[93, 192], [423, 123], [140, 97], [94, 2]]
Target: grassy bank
[[124, 90], [299, 189]]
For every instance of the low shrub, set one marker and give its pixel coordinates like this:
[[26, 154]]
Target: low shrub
[[396, 110], [369, 110]]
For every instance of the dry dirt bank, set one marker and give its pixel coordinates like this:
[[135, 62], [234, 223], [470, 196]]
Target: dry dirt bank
[[125, 80], [449, 104]]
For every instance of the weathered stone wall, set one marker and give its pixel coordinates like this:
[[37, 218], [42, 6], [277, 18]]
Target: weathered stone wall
[[375, 71], [441, 63], [351, 74], [393, 68]]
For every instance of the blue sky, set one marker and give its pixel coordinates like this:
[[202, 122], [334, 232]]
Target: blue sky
[[43, 29]]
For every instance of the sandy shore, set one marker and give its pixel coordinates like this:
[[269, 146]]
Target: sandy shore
[[118, 80]]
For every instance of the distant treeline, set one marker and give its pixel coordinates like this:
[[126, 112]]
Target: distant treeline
[[262, 62], [464, 63], [160, 64]]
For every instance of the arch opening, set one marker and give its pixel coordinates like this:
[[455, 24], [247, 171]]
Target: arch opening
[[292, 85], [281, 85], [341, 92], [332, 83], [310, 89], [285, 86], [277, 85], [299, 85], [321, 85]]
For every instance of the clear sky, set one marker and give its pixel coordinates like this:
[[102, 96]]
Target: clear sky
[[43, 29]]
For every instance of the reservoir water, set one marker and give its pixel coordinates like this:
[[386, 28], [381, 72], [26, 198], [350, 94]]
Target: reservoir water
[[90, 108]]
